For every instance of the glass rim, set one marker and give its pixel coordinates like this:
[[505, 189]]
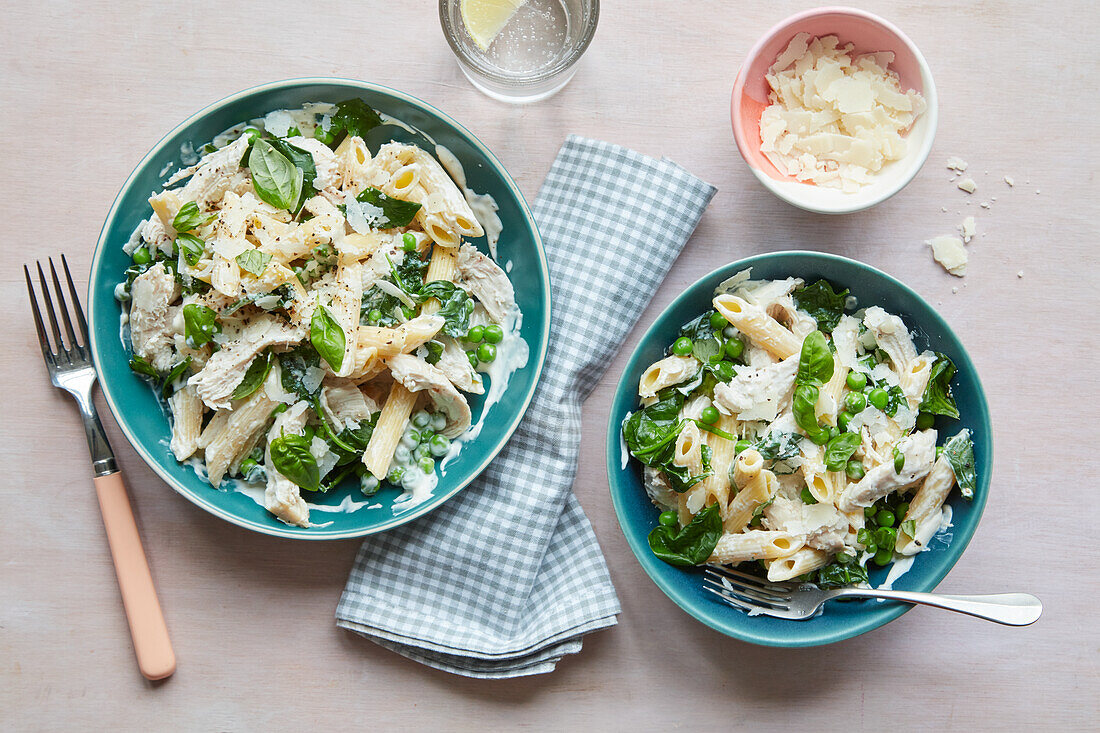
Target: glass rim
[[451, 31]]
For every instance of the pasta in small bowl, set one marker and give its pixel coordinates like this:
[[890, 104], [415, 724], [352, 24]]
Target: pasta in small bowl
[[319, 308], [800, 416]]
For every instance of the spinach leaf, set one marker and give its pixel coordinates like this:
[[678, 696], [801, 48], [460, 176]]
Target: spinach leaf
[[680, 479], [937, 398], [456, 306], [276, 180], [302, 160], [293, 367], [327, 337], [815, 363], [959, 451], [779, 446], [895, 398], [691, 545], [141, 366], [706, 346], [355, 117], [356, 438], [648, 430], [435, 351], [254, 261], [699, 328], [255, 376], [395, 212], [836, 575], [291, 457], [759, 510], [822, 302], [173, 374], [189, 217], [708, 350], [840, 449], [199, 324], [192, 248]]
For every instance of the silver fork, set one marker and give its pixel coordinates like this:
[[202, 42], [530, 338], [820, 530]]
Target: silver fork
[[800, 601], [69, 363]]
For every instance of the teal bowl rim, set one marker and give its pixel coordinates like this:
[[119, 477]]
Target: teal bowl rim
[[711, 615], [437, 500]]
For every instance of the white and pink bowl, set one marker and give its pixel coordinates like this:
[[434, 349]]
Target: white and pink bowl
[[868, 33]]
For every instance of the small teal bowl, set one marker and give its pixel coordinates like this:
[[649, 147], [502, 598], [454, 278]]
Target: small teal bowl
[[637, 515], [141, 416]]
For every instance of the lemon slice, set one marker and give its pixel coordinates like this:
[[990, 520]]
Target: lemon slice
[[484, 19]]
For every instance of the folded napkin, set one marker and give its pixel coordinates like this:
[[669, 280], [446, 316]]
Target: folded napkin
[[505, 578]]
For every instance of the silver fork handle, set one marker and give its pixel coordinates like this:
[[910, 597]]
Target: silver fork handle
[[103, 458], [1011, 609]]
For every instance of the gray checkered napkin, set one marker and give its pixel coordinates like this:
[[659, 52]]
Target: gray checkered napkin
[[505, 578]]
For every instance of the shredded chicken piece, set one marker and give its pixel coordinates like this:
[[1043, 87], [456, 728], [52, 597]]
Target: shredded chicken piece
[[344, 403], [226, 368], [456, 365], [486, 281], [214, 174], [919, 450], [418, 375], [150, 318]]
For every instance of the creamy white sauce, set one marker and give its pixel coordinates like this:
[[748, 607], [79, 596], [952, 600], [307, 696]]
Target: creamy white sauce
[[624, 452], [483, 205], [167, 167], [902, 565], [188, 156], [405, 126]]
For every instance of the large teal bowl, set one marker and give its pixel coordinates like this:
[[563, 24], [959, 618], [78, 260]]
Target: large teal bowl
[[637, 515], [137, 410]]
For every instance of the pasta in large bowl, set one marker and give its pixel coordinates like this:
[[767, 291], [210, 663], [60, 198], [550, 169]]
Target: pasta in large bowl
[[805, 417], [319, 308]]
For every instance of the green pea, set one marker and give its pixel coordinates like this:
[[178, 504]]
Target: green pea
[[886, 536], [734, 348], [682, 346], [855, 470], [427, 465], [863, 536], [855, 402], [439, 445], [486, 352], [475, 334], [901, 510], [856, 380], [899, 461], [869, 512], [421, 419], [870, 547], [878, 398], [807, 497], [247, 465], [709, 415], [408, 242], [253, 134], [843, 419], [885, 518], [718, 321], [939, 451], [668, 519], [494, 334], [323, 135], [883, 556], [368, 484], [421, 451], [472, 356], [395, 476], [724, 370], [374, 316], [844, 558], [742, 446], [925, 420], [141, 256]]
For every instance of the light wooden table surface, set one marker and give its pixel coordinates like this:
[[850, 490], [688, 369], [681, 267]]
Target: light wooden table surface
[[87, 88]]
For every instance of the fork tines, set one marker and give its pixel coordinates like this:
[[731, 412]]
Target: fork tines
[[66, 349], [745, 591]]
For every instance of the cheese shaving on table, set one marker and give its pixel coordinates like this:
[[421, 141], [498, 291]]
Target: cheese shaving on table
[[968, 185], [956, 164], [836, 117], [949, 252]]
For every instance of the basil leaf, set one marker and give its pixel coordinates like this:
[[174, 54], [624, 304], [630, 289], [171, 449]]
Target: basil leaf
[[959, 451], [707, 350], [894, 399], [815, 363], [192, 248], [293, 367], [909, 527], [456, 306], [395, 212], [355, 117], [255, 376], [254, 261], [291, 457], [327, 337], [836, 575], [840, 449], [803, 407], [173, 374], [141, 366], [937, 398], [691, 545], [825, 305], [199, 324], [276, 180], [302, 160], [189, 217]]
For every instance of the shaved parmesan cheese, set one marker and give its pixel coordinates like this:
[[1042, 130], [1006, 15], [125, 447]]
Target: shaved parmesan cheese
[[1009, 181], [835, 118], [968, 185], [312, 379], [949, 252], [956, 164], [362, 216], [969, 229], [279, 122]]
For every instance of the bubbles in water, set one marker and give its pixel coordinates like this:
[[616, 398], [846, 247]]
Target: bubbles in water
[[535, 37]]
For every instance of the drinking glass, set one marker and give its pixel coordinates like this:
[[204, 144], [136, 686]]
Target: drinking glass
[[533, 56]]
